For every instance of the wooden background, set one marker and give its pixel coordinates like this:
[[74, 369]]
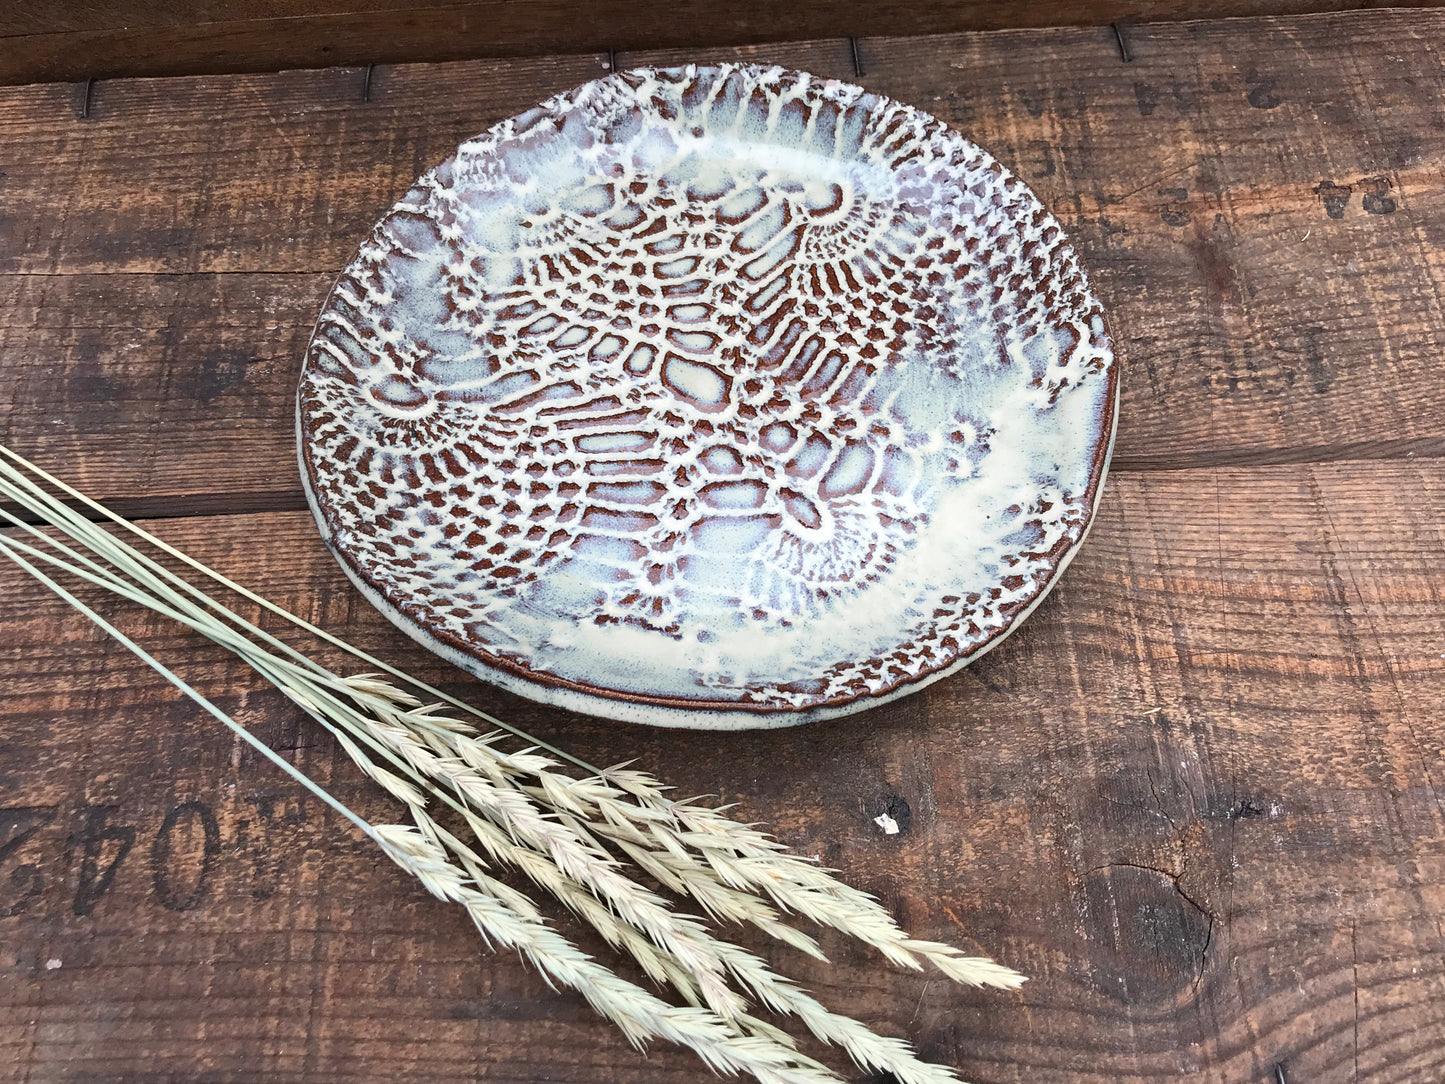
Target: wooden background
[[1192, 798], [80, 39]]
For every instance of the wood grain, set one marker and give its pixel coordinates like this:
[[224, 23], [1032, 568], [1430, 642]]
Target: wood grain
[[44, 42], [1258, 201], [1193, 798]]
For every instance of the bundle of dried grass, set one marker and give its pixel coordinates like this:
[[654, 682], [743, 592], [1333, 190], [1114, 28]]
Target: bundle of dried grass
[[596, 840]]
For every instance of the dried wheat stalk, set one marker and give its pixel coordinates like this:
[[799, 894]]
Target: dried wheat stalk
[[585, 839]]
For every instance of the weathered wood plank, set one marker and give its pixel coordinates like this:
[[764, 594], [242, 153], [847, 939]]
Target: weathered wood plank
[[145, 37], [1193, 797], [1258, 201], [186, 381]]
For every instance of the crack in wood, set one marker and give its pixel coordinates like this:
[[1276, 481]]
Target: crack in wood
[[1174, 881], [1432, 447], [188, 505]]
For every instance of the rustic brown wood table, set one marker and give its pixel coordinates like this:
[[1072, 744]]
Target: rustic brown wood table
[[1193, 798]]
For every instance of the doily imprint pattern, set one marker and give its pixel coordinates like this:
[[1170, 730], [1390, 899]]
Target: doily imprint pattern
[[724, 388]]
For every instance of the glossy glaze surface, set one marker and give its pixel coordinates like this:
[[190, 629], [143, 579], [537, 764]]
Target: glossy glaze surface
[[710, 396]]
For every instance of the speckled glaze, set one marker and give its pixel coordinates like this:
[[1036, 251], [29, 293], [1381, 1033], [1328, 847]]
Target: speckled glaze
[[713, 397]]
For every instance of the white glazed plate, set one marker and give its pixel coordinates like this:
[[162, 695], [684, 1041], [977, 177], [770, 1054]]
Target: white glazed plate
[[714, 397]]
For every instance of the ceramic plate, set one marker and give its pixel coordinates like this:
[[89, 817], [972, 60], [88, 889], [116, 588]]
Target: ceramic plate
[[710, 396]]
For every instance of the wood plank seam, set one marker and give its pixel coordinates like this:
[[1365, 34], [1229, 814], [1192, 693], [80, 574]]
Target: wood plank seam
[[102, 41], [294, 500]]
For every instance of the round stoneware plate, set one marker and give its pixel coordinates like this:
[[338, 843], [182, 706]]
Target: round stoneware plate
[[712, 397]]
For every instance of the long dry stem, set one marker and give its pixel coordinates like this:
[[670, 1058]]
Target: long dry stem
[[571, 836], [719, 852], [639, 1014]]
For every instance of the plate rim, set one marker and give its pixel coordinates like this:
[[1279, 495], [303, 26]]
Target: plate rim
[[678, 712]]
